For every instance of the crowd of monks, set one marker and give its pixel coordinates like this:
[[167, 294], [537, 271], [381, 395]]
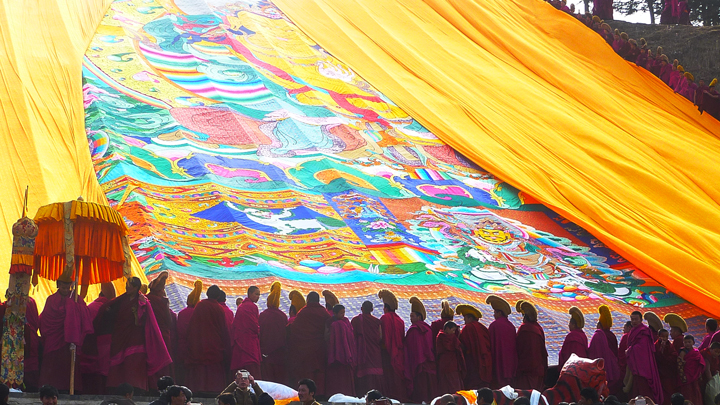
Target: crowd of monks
[[136, 338], [704, 96]]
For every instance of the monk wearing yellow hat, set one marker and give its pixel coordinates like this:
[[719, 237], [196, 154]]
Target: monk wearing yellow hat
[[419, 355], [475, 339], [502, 340], [183, 324], [393, 351], [531, 349], [575, 341], [272, 337]]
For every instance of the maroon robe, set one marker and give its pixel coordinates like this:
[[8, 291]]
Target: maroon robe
[[504, 351], [93, 361], [666, 360], [167, 322], [272, 322], [531, 349], [438, 325], [342, 358], [599, 348], [136, 348], [182, 352], [420, 371], [246, 352], [699, 102], [307, 346], [229, 317], [691, 369], [622, 348], [711, 105], [678, 343], [63, 322], [641, 361], [368, 341], [450, 363], [575, 342], [393, 356], [209, 348], [475, 339]]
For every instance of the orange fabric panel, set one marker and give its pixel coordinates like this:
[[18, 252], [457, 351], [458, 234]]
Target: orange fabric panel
[[539, 100]]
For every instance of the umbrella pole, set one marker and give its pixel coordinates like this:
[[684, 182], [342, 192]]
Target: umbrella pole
[[73, 348]]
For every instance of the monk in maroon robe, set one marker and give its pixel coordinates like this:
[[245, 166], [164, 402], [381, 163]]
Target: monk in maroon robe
[[477, 352], [641, 361], [446, 314], [531, 349], [94, 359], [691, 366], [666, 360], [393, 351], [342, 357], [420, 371], [307, 343], [136, 348], [183, 327], [711, 100], [450, 360], [166, 320], [575, 341], [63, 324], [711, 355], [246, 352], [678, 337], [368, 340], [503, 343], [699, 96], [600, 349], [272, 323], [229, 316], [209, 345], [622, 347], [711, 327]]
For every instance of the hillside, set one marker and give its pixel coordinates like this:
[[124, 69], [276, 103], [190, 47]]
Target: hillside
[[697, 48]]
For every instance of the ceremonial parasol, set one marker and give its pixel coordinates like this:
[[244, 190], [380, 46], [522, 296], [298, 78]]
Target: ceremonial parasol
[[82, 242]]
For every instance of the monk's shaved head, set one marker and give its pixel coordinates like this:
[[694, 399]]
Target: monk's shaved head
[[367, 307], [313, 297], [252, 289]]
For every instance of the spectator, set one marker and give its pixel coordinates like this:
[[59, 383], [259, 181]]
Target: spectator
[[372, 396], [123, 396], [177, 395], [226, 399], [162, 385], [240, 389], [48, 395], [306, 391], [589, 396], [522, 401], [4, 394], [265, 399], [485, 396]]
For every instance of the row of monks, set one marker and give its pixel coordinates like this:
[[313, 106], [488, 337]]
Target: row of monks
[[136, 338], [704, 95]]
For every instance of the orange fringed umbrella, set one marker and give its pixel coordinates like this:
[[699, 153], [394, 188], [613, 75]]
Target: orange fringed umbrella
[[82, 242]]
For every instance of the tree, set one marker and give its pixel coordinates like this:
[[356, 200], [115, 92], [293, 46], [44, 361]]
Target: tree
[[702, 12], [629, 7]]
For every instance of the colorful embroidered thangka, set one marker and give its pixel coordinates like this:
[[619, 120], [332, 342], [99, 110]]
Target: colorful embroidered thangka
[[240, 152]]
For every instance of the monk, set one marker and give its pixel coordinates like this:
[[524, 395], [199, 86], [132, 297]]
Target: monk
[[677, 329], [63, 325], [503, 343], [229, 316], [601, 348], [691, 366], [446, 314], [531, 349], [450, 360], [477, 352], [711, 326], [166, 320], [209, 345], [246, 352], [342, 357], [666, 360], [183, 326], [368, 340], [93, 361], [420, 371], [307, 343], [622, 346], [645, 380], [711, 355], [393, 350], [711, 100], [137, 349], [575, 341], [699, 94], [297, 302], [272, 323]]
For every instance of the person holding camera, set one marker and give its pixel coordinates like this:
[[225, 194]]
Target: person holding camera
[[240, 389]]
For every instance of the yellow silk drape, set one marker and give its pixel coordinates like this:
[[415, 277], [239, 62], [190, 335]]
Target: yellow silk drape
[[42, 132], [541, 101]]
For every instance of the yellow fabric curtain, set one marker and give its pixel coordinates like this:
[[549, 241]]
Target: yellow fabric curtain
[[42, 132], [541, 101]]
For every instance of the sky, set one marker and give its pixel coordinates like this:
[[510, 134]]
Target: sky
[[639, 17]]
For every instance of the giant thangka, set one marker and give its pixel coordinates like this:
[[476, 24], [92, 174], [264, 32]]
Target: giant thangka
[[240, 152]]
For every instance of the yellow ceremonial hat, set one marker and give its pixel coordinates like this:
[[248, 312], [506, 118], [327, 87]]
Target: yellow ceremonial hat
[[446, 311], [108, 290], [498, 304], [465, 309], [653, 320], [605, 316], [158, 283], [194, 296], [713, 83], [273, 299], [577, 316], [417, 306], [527, 309], [144, 289], [388, 298], [297, 300], [676, 321], [330, 299]]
